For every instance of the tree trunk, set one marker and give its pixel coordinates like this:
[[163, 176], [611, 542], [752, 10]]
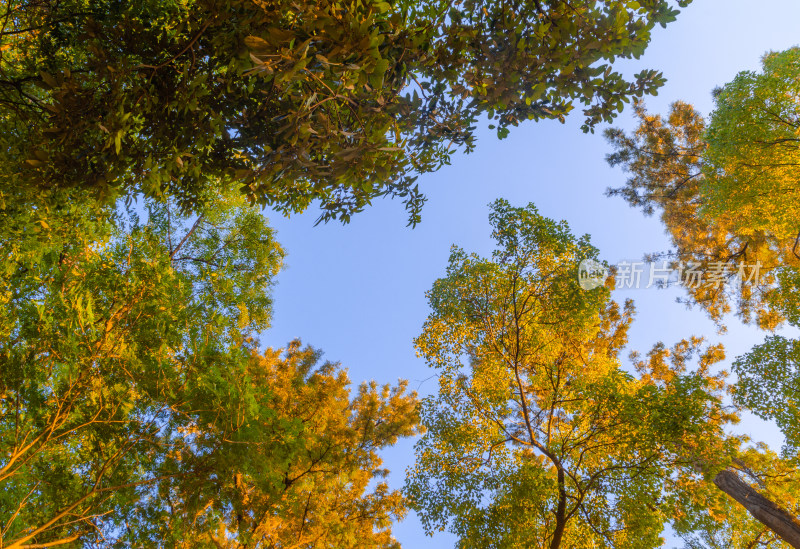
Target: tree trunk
[[561, 511], [784, 524]]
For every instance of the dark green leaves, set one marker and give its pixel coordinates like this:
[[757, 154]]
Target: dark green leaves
[[297, 102]]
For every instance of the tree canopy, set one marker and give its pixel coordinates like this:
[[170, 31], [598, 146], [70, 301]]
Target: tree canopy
[[538, 436], [295, 102], [139, 144], [136, 407], [724, 186]]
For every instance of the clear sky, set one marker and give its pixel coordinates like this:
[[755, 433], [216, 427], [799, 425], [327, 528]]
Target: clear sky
[[357, 291]]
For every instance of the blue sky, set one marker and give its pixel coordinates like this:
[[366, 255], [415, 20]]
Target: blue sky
[[358, 291]]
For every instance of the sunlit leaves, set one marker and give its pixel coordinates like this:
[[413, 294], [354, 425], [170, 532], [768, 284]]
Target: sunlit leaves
[[754, 150], [724, 191], [303, 467], [107, 345], [538, 437], [135, 405], [666, 159]]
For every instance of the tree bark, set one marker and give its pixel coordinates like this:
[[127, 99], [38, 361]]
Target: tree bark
[[768, 513], [561, 511]]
